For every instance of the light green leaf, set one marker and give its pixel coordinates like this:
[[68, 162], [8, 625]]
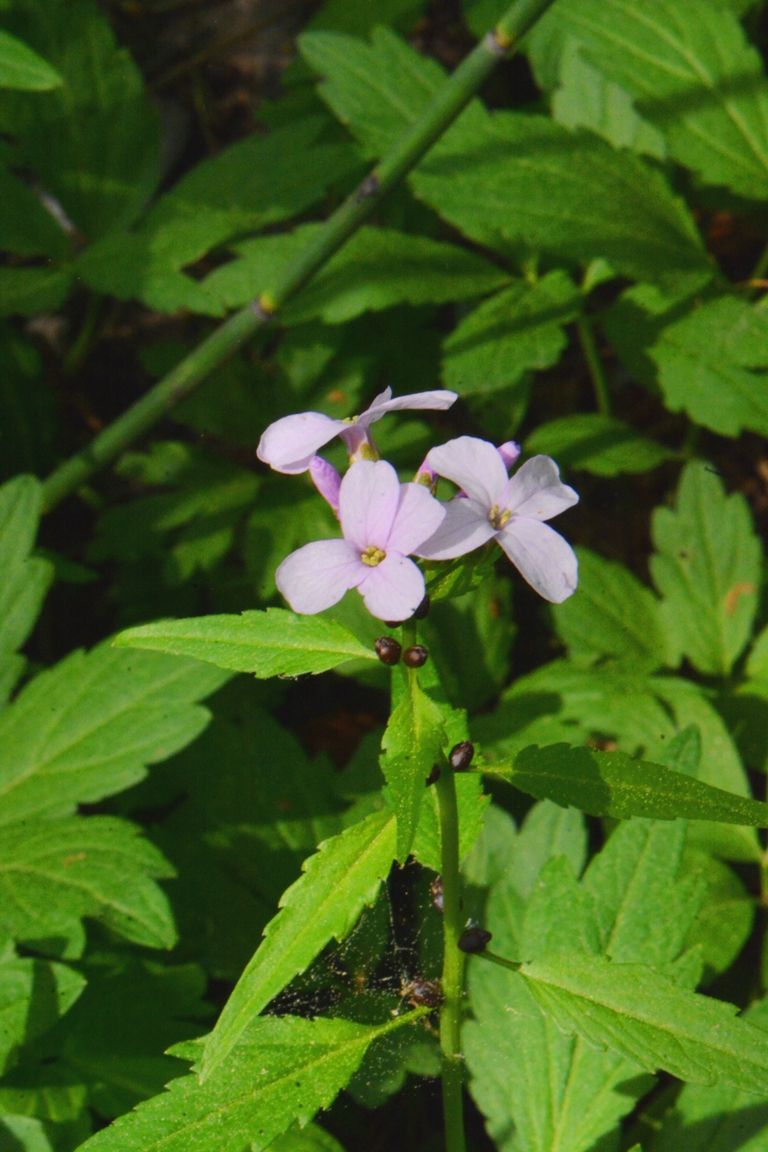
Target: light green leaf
[[519, 329], [53, 873], [324, 904], [271, 643], [725, 919], [33, 995], [524, 179], [707, 567], [284, 1068], [22, 68], [644, 1017], [693, 75], [612, 616], [313, 1138], [87, 728], [586, 99], [599, 444], [612, 784], [24, 581], [411, 746], [377, 268]]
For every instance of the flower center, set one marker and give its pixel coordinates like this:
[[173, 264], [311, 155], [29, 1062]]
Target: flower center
[[499, 517], [373, 556]]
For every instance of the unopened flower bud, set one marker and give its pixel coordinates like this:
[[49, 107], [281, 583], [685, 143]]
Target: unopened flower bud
[[460, 756], [474, 939], [388, 650], [415, 656]]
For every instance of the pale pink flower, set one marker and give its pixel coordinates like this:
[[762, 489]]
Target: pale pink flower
[[383, 522], [289, 444], [510, 510]]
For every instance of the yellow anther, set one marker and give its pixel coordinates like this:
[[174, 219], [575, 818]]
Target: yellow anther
[[373, 556], [499, 516]]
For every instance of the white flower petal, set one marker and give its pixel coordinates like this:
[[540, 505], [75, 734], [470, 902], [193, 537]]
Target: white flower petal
[[466, 526], [289, 444], [542, 557], [536, 490], [417, 517], [317, 575], [368, 500], [472, 464], [394, 589], [439, 400]]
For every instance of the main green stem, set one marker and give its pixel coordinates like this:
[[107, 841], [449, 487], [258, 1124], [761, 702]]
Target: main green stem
[[452, 97], [453, 965]]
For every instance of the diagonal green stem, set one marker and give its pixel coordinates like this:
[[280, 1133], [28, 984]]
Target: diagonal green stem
[[450, 99]]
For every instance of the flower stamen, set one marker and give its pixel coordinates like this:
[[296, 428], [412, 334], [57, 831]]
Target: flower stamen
[[373, 556], [498, 517]]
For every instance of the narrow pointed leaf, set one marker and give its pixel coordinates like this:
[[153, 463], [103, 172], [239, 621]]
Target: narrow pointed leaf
[[285, 1068], [411, 747], [645, 1017], [25, 580], [325, 902], [271, 643], [613, 784]]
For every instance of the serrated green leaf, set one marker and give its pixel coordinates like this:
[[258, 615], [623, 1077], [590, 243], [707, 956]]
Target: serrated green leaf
[[22, 68], [613, 616], [271, 643], [693, 75], [285, 1068], [644, 1017], [592, 442], [338, 882], [612, 784], [377, 268], [87, 728], [518, 330], [586, 99], [33, 995], [257, 181], [707, 567], [93, 141], [411, 747], [726, 917], [25, 580], [53, 873], [524, 179]]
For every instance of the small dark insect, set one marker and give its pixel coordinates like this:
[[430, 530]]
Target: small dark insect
[[420, 994]]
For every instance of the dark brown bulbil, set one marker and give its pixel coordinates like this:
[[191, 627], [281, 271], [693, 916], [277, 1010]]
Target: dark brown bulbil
[[416, 656]]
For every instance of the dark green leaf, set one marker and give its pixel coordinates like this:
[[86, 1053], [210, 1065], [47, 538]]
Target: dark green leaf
[[33, 995], [612, 784], [22, 68], [27, 291], [602, 445], [25, 580]]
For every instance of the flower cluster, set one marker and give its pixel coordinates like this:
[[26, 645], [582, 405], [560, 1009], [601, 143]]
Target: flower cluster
[[385, 522]]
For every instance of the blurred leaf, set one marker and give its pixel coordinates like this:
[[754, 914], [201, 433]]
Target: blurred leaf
[[88, 727], [612, 784], [93, 141], [519, 329], [323, 904], [586, 99], [470, 639], [21, 68], [28, 407], [284, 1068], [271, 643], [612, 616], [28, 291], [52, 873], [707, 567], [33, 995], [696, 79], [27, 228], [592, 442], [358, 19], [377, 268]]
